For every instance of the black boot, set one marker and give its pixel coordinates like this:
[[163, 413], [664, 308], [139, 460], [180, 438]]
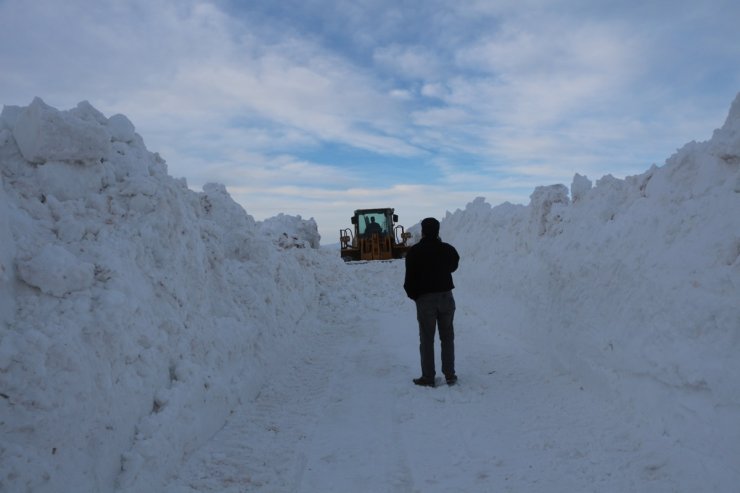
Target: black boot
[[424, 381]]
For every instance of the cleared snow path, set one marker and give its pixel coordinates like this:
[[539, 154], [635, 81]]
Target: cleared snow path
[[341, 414]]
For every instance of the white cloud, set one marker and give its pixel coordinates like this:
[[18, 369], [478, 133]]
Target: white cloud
[[542, 73], [489, 95], [435, 90], [440, 116], [409, 62]]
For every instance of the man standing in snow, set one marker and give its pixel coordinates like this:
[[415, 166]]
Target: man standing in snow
[[429, 267]]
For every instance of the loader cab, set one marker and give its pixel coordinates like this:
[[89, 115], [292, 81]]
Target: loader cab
[[375, 236], [368, 223]]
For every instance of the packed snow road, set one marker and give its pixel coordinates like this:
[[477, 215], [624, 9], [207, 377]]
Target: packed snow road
[[340, 413]]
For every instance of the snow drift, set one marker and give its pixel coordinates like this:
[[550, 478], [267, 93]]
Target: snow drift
[[631, 285], [137, 314]]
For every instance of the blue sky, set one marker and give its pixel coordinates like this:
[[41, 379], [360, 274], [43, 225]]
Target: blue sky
[[319, 107]]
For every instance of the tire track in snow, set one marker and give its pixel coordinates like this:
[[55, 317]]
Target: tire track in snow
[[255, 451], [353, 442], [356, 446]]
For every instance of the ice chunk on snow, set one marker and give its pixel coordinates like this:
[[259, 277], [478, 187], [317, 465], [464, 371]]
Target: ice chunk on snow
[[291, 231], [7, 253], [67, 181], [9, 116], [55, 271], [542, 201], [46, 134], [725, 142], [121, 129], [580, 187]]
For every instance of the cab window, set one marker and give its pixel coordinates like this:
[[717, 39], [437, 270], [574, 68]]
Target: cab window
[[372, 222]]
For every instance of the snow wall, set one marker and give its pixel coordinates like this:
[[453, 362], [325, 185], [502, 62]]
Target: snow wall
[[137, 313], [631, 285]]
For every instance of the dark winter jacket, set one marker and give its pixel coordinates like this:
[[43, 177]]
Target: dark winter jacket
[[429, 267]]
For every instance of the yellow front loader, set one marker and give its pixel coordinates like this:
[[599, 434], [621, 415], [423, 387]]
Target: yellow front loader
[[375, 236]]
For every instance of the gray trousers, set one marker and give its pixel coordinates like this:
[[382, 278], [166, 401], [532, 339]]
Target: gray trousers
[[436, 310]]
